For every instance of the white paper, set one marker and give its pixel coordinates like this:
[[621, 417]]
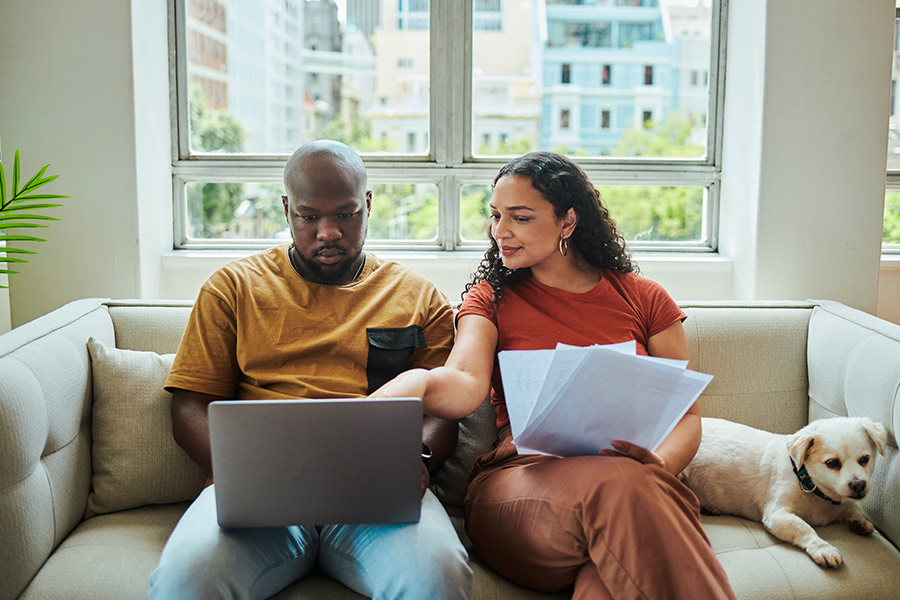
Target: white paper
[[590, 396]]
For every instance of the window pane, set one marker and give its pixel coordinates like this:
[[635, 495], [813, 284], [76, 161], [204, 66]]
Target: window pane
[[893, 159], [406, 211], [891, 232], [642, 213], [235, 210], [265, 76], [626, 59], [243, 211]]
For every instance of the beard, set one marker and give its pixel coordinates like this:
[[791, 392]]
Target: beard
[[329, 274]]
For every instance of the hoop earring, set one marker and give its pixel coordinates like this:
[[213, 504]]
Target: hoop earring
[[563, 246]]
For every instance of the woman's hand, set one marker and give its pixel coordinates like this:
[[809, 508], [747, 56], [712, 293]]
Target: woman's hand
[[642, 455]]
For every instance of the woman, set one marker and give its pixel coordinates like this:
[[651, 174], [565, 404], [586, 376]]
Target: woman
[[616, 525]]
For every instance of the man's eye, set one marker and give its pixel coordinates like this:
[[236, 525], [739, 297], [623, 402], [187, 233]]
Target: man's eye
[[833, 463], [310, 218], [346, 215]]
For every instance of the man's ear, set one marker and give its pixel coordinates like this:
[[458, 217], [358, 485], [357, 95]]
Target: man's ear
[[368, 201], [285, 203], [569, 222]]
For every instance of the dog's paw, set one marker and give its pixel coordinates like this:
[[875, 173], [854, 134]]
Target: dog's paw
[[860, 526], [825, 554]]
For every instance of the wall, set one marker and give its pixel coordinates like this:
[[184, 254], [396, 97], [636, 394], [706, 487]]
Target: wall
[[85, 89]]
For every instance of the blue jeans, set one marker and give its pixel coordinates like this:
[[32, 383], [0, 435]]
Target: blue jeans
[[412, 562]]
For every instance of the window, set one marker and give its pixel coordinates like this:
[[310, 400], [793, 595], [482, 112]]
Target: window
[[891, 229], [389, 86]]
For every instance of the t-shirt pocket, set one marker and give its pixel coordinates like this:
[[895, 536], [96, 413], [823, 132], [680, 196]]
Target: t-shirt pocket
[[389, 352]]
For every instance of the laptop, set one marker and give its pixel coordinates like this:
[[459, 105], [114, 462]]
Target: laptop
[[316, 462]]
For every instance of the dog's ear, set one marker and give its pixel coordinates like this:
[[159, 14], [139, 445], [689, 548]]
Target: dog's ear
[[876, 432], [799, 446]]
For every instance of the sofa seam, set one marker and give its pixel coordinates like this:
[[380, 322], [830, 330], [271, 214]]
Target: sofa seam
[[37, 464]]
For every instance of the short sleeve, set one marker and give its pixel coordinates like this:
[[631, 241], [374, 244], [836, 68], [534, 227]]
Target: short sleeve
[[206, 361], [660, 310], [438, 332], [478, 302]]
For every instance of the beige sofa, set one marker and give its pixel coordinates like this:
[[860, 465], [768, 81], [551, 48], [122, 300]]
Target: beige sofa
[[91, 482]]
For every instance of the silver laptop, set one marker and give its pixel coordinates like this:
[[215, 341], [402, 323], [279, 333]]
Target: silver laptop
[[316, 462]]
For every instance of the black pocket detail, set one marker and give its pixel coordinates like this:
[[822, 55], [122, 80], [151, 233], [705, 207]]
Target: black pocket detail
[[389, 351]]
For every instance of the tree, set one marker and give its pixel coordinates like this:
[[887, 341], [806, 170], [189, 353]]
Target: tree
[[891, 231], [212, 206]]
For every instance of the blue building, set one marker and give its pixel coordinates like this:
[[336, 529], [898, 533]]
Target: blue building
[[607, 67]]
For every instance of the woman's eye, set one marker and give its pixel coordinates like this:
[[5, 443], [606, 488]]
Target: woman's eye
[[495, 217]]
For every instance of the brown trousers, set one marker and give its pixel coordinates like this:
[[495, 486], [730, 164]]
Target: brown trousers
[[611, 526]]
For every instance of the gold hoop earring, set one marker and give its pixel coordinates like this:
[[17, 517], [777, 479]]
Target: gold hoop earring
[[563, 246]]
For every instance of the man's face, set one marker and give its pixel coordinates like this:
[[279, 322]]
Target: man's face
[[327, 211]]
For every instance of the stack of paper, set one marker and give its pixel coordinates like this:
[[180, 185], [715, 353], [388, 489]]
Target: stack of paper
[[574, 401]]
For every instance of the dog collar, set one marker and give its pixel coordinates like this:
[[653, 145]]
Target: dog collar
[[806, 482]]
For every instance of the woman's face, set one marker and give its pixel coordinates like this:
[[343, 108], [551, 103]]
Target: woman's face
[[523, 224]]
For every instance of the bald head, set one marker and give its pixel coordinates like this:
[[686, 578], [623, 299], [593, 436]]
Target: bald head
[[324, 168]]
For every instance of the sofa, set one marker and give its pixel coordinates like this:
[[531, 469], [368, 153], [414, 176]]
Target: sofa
[[91, 482]]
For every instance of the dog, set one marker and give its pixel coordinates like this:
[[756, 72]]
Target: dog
[[789, 482]]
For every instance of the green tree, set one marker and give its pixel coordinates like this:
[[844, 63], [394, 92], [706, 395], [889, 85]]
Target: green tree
[[212, 206], [891, 231]]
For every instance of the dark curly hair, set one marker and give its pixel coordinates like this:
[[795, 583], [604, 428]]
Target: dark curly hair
[[565, 185]]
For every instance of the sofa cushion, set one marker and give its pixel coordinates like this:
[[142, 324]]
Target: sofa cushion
[[136, 461]]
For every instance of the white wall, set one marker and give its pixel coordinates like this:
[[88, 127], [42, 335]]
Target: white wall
[[85, 89]]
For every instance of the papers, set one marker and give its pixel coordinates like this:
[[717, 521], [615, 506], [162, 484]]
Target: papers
[[574, 401]]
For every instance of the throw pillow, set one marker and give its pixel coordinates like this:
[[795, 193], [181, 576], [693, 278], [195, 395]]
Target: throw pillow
[[135, 459]]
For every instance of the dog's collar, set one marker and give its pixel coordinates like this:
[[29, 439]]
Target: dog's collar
[[806, 482]]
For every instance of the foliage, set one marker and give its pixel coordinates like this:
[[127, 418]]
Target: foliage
[[15, 212], [891, 232]]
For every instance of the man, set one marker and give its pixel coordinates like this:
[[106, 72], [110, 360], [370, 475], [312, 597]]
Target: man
[[318, 318]]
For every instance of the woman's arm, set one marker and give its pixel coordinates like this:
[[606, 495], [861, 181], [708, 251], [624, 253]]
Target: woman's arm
[[679, 447], [461, 385]]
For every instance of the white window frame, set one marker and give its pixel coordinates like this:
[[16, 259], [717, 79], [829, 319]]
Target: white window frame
[[892, 180], [450, 162]]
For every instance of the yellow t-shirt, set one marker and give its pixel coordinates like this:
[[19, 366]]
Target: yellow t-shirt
[[258, 330]]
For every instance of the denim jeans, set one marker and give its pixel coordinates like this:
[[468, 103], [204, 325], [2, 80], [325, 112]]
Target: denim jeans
[[410, 562]]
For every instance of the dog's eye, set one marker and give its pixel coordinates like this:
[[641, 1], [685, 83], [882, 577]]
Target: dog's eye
[[863, 460], [833, 463]]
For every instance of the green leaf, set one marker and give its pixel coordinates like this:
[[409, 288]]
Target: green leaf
[[33, 186], [20, 238], [8, 272], [10, 259], [18, 225], [21, 198], [15, 190], [28, 207], [35, 178], [8, 250], [2, 185], [5, 216]]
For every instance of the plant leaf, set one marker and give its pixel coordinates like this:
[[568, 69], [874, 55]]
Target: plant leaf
[[8, 272], [7, 250], [18, 225], [20, 238], [36, 177], [21, 198], [10, 259], [28, 207], [2, 185], [5, 216], [36, 184], [15, 190]]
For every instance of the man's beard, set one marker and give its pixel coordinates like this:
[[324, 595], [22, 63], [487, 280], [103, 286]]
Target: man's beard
[[328, 273]]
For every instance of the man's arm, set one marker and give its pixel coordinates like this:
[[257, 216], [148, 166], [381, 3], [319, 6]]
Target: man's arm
[[190, 424]]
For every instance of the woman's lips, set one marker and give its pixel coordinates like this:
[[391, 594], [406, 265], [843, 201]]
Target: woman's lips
[[508, 250]]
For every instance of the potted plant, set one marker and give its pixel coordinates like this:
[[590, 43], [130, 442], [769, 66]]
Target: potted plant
[[16, 212]]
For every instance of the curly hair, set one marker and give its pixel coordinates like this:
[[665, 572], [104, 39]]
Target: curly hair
[[565, 185]]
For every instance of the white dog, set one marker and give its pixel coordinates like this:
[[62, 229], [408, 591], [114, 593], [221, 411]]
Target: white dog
[[789, 482]]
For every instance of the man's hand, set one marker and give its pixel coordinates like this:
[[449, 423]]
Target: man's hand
[[627, 449]]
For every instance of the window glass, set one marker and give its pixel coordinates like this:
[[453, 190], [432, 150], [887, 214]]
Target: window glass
[[637, 57], [265, 76], [891, 233], [643, 214]]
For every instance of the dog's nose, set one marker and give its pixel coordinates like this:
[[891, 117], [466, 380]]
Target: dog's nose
[[857, 486]]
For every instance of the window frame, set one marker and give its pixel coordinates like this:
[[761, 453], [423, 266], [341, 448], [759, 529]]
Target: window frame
[[450, 161], [892, 177]]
